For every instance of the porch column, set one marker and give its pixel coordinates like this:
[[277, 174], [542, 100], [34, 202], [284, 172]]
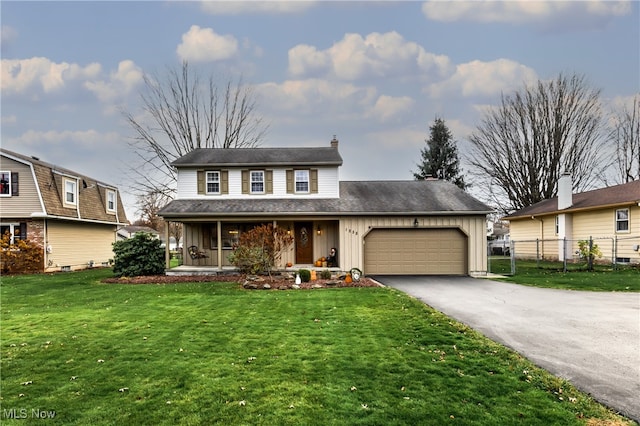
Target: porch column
[[167, 249], [219, 237]]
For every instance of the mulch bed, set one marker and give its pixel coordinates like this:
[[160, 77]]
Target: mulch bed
[[277, 282]]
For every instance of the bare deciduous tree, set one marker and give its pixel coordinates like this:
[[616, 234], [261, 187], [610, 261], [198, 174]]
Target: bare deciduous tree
[[182, 112], [148, 207], [522, 147], [626, 134]]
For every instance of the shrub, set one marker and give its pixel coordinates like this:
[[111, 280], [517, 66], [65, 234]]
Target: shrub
[[21, 257], [140, 255], [260, 249], [325, 274], [305, 275]]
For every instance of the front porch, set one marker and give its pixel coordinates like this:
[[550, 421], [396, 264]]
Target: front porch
[[208, 244]]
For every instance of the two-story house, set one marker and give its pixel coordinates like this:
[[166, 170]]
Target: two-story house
[[72, 217], [380, 227]]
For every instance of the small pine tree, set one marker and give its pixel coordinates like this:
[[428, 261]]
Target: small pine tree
[[440, 156]]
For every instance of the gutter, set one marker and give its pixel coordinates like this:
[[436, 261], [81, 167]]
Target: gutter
[[42, 215], [334, 214]]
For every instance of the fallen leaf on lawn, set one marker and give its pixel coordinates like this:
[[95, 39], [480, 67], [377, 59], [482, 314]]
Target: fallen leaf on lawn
[[123, 389], [168, 402], [402, 389], [365, 406], [181, 350], [406, 397], [73, 377], [353, 388], [21, 395], [100, 361], [291, 406], [571, 399], [144, 338], [27, 383], [242, 403]]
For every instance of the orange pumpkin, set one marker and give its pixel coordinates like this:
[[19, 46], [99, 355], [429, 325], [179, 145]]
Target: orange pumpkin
[[348, 279], [318, 263], [289, 264]]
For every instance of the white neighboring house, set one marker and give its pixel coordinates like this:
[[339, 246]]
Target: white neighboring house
[[130, 231]]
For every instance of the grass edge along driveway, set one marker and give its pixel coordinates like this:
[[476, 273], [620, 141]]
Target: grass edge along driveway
[[212, 353]]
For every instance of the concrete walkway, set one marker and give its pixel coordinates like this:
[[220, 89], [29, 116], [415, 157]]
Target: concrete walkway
[[591, 339]]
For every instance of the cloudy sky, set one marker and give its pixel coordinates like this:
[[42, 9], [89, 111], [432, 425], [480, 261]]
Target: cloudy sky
[[375, 74]]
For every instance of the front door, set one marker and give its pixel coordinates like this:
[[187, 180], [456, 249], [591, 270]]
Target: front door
[[304, 242]]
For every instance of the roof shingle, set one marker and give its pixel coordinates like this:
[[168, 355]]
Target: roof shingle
[[625, 194], [356, 197]]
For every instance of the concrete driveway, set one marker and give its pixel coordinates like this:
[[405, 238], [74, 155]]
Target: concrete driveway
[[591, 339]]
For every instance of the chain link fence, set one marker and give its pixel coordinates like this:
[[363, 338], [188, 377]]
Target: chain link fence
[[567, 254]]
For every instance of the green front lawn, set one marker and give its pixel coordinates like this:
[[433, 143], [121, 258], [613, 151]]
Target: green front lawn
[[213, 353], [550, 275]]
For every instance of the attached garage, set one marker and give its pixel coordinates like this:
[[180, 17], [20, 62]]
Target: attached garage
[[409, 251]]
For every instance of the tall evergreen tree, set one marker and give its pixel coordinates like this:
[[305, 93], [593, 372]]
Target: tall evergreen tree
[[440, 156]]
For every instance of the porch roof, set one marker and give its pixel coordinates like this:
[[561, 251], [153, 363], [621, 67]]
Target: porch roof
[[356, 198]]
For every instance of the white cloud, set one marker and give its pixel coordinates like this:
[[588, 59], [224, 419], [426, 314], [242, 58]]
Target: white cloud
[[7, 35], [204, 45], [479, 78], [388, 107], [21, 75], [263, 7], [523, 11], [9, 119], [120, 83], [315, 96], [377, 55], [66, 138]]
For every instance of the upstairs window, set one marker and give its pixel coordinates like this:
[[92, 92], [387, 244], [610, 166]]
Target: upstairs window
[[622, 220], [111, 201], [302, 180], [257, 182], [70, 192], [5, 184], [213, 182]]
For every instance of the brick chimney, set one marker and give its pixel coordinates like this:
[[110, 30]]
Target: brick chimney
[[565, 191], [334, 142]]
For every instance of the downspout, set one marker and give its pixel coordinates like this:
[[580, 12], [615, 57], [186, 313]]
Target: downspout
[[541, 234]]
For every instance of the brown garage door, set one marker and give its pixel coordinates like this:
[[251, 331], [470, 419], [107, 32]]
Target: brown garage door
[[415, 252]]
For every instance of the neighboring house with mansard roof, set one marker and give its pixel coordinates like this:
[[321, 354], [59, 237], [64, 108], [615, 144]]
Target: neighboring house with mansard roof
[[380, 227], [610, 216], [72, 216]]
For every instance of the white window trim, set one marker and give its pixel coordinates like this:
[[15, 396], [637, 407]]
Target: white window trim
[[296, 181], [75, 192], [628, 220], [218, 181], [12, 226], [111, 193], [8, 172], [557, 224], [251, 182]]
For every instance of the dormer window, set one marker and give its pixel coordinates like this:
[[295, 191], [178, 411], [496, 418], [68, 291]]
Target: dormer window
[[213, 182], [111, 201], [70, 192], [257, 181], [302, 181]]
